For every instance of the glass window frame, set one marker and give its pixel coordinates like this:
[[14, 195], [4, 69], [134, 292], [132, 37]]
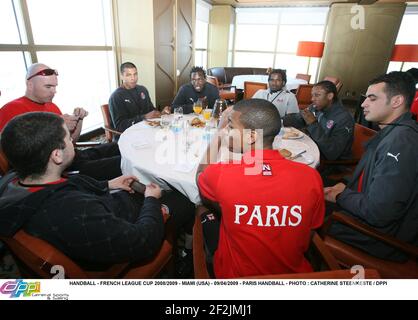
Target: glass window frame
[[28, 46], [279, 23]]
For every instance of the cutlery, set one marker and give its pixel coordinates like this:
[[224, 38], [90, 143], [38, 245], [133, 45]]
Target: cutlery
[[297, 155]]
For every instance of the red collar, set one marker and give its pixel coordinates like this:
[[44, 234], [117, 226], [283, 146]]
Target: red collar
[[37, 187]]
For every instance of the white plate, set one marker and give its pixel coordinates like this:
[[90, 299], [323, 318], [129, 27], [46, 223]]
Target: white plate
[[287, 130], [295, 147], [305, 158]]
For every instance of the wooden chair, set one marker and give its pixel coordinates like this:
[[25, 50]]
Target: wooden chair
[[226, 92], [35, 258], [306, 77], [4, 164], [201, 272], [304, 95], [362, 134], [108, 125], [348, 256], [336, 81], [250, 88]]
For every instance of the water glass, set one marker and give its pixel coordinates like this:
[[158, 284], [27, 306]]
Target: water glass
[[165, 121], [178, 113]]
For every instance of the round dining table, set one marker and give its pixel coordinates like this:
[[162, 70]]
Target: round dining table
[[170, 156]]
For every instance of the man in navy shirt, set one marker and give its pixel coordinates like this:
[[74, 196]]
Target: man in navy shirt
[[130, 103], [197, 89]]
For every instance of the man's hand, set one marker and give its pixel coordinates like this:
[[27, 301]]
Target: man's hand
[[80, 113], [166, 110], [308, 116], [123, 183], [71, 121], [153, 190], [331, 193], [152, 114]]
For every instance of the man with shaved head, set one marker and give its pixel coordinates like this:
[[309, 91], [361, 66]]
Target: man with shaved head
[[268, 204], [41, 82]]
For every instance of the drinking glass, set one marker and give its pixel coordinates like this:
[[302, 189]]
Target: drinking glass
[[165, 121], [165, 124], [178, 113], [197, 107], [219, 107], [207, 113]]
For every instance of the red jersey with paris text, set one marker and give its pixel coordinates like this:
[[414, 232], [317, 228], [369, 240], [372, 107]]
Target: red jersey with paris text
[[267, 217]]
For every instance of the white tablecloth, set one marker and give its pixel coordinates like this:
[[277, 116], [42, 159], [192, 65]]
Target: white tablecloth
[[238, 81], [153, 154]]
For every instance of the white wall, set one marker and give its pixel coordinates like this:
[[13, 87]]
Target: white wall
[[134, 37]]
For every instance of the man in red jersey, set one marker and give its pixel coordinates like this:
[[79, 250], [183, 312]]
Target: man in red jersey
[[414, 107], [102, 162], [269, 205]]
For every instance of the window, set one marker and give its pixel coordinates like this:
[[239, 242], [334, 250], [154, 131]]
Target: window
[[406, 36], [66, 36], [269, 37], [12, 75], [201, 33]]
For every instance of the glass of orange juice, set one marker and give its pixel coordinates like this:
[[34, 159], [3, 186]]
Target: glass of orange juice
[[197, 107], [207, 114]]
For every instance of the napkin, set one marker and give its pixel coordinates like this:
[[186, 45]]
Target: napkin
[[141, 143]]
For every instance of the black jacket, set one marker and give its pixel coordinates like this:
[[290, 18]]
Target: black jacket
[[187, 95], [333, 132], [83, 220], [388, 200], [128, 106]]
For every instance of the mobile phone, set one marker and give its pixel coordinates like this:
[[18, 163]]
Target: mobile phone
[[138, 187]]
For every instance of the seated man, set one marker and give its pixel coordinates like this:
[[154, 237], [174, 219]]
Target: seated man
[[326, 121], [101, 162], [284, 100], [197, 89], [130, 103], [383, 191], [269, 205], [78, 215]]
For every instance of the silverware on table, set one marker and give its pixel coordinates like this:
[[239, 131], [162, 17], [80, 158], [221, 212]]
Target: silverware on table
[[297, 155]]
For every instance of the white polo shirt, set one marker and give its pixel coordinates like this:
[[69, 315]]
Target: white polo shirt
[[284, 100]]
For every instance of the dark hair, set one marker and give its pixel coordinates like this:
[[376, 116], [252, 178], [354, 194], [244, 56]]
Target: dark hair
[[329, 87], [127, 65], [196, 69], [397, 83], [28, 140], [260, 114], [281, 72], [413, 72]]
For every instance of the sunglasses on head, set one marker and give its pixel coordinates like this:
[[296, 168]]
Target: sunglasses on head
[[45, 72]]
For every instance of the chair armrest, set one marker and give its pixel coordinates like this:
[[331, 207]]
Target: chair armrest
[[199, 255], [326, 254], [371, 232], [112, 130]]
